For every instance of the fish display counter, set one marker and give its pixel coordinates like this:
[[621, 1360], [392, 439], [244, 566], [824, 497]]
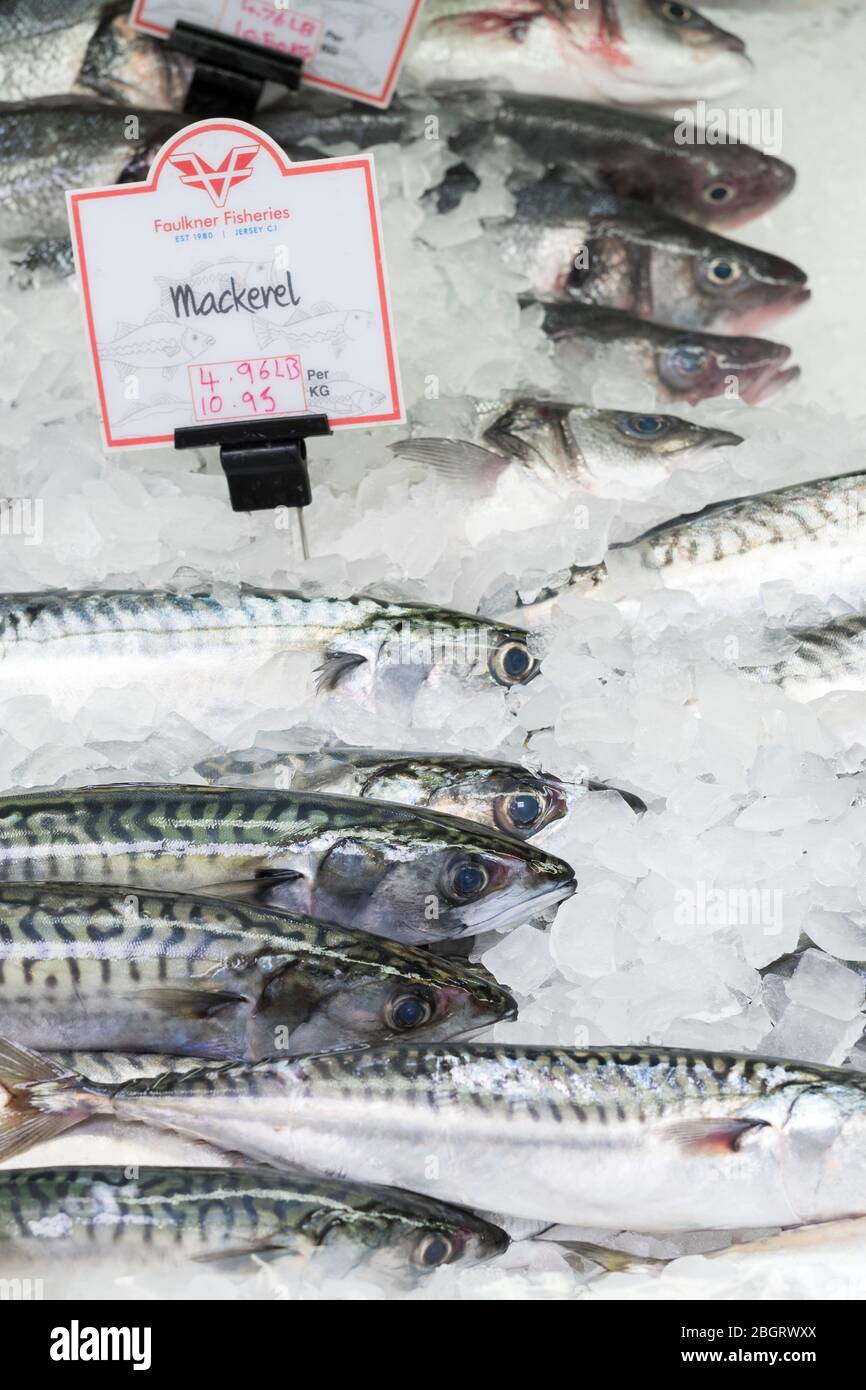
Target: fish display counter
[[461, 899]]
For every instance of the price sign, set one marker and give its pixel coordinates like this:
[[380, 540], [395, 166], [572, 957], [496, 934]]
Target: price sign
[[235, 285], [354, 47]]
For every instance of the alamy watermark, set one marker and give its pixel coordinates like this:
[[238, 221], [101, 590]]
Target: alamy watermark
[[22, 516], [711, 125], [702, 906]]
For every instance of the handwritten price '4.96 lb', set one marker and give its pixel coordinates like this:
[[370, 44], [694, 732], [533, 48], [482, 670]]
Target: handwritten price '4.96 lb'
[[245, 389]]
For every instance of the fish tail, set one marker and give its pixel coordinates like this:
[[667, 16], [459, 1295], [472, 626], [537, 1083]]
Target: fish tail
[[38, 1099]]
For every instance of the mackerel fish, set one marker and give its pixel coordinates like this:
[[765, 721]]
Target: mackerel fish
[[202, 652], [95, 969], [647, 1139], [395, 871], [66, 1219], [506, 796], [810, 534]]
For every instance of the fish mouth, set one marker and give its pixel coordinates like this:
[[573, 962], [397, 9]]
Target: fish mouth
[[521, 912], [783, 302], [721, 439], [768, 379]]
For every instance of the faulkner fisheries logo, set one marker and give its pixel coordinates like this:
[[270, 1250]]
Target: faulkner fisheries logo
[[195, 172]]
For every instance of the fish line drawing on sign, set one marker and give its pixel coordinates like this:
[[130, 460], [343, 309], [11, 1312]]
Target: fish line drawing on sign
[[158, 344], [254, 276], [321, 324]]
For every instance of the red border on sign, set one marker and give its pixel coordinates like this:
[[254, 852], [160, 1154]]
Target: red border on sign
[[382, 98], [288, 170]]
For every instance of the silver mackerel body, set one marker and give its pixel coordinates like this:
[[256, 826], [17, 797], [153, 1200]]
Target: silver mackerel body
[[646, 1139]]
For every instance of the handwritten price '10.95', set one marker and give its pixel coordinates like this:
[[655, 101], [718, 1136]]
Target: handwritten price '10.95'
[[256, 386]]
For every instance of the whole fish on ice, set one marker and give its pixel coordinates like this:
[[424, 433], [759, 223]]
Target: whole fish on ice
[[201, 651], [811, 534], [627, 52], [612, 453], [628, 153], [92, 969], [504, 795], [598, 249], [396, 871], [101, 1219], [680, 364], [646, 1139]]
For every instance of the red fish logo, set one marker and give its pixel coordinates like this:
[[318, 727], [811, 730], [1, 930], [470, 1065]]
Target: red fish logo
[[195, 172]]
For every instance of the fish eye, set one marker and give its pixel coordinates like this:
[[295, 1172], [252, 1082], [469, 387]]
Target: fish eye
[[644, 426], [678, 14], [512, 664], [686, 363], [721, 270], [408, 1011], [467, 879], [519, 810], [432, 1250], [718, 193]]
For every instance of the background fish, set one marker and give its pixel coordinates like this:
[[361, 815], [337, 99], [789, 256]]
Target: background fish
[[628, 153], [93, 969], [90, 47], [810, 534], [622, 51], [66, 1219], [595, 248], [196, 650], [646, 1139], [48, 147], [503, 795], [392, 870], [680, 365], [826, 659], [616, 453]]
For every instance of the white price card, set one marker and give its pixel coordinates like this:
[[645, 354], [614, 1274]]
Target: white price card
[[235, 285], [354, 47]]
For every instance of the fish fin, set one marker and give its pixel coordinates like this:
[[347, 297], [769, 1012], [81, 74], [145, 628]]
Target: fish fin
[[456, 458], [322, 306], [123, 328], [712, 1136], [335, 666], [614, 1261], [159, 316], [29, 1082], [265, 332], [298, 316], [254, 889], [189, 1003]]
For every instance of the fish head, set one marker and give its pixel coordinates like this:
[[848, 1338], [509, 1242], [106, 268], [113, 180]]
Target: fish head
[[694, 366], [421, 876], [357, 323], [128, 67], [733, 184], [518, 802], [629, 449], [677, 273], [737, 288], [196, 342], [402, 1236], [821, 1112], [674, 51], [368, 992], [438, 647]]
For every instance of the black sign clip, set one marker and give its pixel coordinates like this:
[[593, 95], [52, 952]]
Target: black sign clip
[[230, 73], [265, 461]]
